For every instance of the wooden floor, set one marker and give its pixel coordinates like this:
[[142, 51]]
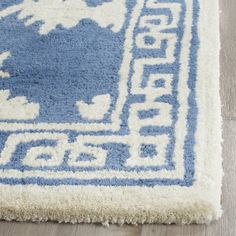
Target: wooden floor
[[227, 225]]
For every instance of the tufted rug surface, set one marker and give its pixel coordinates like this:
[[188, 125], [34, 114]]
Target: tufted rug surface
[[110, 111]]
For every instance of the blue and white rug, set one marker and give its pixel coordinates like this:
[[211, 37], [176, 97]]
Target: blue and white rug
[[110, 111]]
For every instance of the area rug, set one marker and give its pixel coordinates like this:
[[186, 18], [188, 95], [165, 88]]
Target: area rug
[[110, 111]]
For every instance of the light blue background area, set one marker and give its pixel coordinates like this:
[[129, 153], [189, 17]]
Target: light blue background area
[[60, 68]]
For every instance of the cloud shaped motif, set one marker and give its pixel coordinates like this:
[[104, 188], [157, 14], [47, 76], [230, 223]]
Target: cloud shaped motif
[[17, 108], [3, 57], [69, 13], [97, 109]]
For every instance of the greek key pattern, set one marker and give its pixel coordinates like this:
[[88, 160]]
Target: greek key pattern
[[150, 96]]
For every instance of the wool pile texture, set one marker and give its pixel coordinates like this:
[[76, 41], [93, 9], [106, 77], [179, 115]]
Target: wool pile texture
[[110, 111]]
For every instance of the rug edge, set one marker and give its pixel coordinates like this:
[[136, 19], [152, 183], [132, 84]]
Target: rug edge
[[197, 211], [202, 211]]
